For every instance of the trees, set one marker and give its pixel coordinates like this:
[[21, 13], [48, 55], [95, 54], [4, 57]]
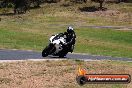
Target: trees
[[100, 3], [21, 6]]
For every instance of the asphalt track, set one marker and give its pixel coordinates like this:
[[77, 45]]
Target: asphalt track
[[34, 55]]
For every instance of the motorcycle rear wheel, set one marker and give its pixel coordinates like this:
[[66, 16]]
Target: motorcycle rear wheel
[[63, 54]]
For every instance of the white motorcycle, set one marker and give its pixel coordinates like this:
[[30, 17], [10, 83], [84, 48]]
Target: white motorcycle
[[56, 46]]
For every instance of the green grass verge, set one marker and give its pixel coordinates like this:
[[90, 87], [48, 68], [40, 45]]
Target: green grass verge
[[21, 40], [105, 42]]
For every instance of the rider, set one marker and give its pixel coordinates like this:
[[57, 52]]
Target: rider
[[70, 38]]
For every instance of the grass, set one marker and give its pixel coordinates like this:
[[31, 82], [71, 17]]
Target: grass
[[105, 42], [11, 39], [93, 41], [117, 14], [62, 74], [32, 30]]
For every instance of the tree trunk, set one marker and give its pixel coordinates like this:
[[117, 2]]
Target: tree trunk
[[101, 4]]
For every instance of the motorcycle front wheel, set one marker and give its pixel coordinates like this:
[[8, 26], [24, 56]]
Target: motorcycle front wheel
[[49, 49]]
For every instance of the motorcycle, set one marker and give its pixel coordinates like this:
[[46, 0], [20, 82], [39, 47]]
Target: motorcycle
[[56, 46]]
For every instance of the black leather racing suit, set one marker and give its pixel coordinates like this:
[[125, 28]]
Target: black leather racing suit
[[70, 40]]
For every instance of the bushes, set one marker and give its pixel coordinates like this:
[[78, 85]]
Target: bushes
[[20, 6]]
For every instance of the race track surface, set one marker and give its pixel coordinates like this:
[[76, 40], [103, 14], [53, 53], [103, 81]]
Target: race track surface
[[27, 55]]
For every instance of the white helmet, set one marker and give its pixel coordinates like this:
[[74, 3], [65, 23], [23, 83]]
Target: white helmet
[[70, 29]]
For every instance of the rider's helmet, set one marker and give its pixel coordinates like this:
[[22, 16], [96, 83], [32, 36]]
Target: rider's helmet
[[70, 29]]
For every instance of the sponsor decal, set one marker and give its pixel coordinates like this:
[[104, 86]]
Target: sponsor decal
[[83, 78]]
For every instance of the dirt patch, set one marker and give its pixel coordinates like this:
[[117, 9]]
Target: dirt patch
[[57, 74]]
